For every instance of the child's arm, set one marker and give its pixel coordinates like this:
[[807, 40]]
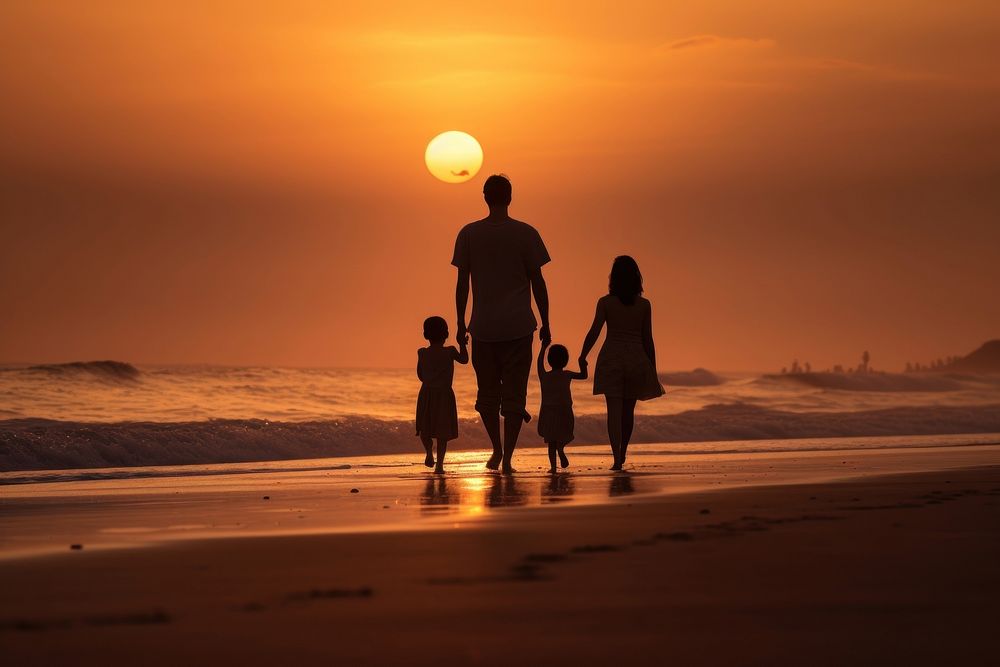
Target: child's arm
[[541, 357], [582, 375], [595, 331], [462, 354]]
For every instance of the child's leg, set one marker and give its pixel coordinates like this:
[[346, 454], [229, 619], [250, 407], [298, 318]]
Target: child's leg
[[442, 450], [615, 408], [428, 444], [628, 421], [552, 456], [563, 461]]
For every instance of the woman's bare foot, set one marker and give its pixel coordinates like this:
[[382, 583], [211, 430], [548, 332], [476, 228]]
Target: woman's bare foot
[[526, 417], [429, 461], [616, 466], [494, 462], [508, 469], [563, 461], [439, 470], [552, 469]]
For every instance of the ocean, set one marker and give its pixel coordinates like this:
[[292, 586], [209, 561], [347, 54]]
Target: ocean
[[99, 414]]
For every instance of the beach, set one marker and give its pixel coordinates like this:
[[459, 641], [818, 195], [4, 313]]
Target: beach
[[862, 556]]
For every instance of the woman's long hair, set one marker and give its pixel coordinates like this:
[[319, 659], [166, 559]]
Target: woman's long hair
[[625, 281]]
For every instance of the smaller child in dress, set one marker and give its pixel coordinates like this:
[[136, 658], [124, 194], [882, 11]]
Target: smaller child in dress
[[555, 423], [437, 414]]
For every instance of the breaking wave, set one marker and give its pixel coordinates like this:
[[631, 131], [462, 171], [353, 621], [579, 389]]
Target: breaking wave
[[39, 444], [699, 377], [105, 370]]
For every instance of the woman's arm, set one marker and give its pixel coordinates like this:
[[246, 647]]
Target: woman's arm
[[420, 357], [541, 357], [647, 334], [595, 331], [462, 353]]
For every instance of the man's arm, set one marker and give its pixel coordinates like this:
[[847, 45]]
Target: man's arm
[[461, 301], [541, 293]]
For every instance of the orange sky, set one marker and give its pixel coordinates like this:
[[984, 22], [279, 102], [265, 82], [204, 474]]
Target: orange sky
[[245, 186]]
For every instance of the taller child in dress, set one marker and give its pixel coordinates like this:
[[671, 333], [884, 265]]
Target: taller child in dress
[[626, 365], [437, 414]]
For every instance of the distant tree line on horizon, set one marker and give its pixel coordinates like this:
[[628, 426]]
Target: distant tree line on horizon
[[936, 365], [863, 367]]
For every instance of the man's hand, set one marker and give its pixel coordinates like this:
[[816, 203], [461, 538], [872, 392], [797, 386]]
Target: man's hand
[[462, 333], [544, 334], [463, 339]]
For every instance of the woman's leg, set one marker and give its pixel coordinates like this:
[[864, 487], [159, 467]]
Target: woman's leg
[[615, 428], [552, 456], [442, 450], [428, 445], [628, 421]]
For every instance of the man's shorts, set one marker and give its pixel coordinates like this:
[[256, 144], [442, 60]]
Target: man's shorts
[[502, 369]]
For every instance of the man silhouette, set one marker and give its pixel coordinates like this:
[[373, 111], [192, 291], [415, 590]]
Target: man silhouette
[[504, 259]]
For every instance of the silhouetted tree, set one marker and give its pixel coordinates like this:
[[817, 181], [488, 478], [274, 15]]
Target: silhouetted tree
[[865, 358]]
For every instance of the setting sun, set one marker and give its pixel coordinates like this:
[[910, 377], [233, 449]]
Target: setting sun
[[454, 157]]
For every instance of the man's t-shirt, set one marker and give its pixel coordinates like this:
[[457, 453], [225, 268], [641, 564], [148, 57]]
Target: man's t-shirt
[[500, 255]]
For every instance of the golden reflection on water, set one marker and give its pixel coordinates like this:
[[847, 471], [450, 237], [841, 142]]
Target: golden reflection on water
[[475, 494]]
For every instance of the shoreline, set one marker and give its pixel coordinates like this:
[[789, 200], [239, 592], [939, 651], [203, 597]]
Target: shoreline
[[388, 494]]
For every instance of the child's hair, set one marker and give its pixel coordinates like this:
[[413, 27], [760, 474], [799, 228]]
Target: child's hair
[[435, 328], [625, 281], [558, 357]]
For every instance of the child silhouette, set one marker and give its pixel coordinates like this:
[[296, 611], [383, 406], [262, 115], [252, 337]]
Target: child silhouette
[[437, 414], [555, 422]]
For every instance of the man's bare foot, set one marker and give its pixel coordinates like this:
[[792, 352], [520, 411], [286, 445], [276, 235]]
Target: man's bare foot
[[429, 461], [616, 466], [439, 470], [494, 462], [508, 469], [563, 461]]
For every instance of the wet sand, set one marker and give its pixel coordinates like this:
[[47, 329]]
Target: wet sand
[[822, 557]]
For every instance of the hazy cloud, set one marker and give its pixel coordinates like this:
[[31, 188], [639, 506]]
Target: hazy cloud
[[701, 41]]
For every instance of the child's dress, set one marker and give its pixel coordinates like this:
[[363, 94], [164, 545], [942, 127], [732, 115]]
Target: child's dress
[[555, 422], [623, 367], [437, 413]]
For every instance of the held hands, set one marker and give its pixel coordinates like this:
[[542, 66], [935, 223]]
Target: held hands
[[545, 335], [462, 333], [463, 340]]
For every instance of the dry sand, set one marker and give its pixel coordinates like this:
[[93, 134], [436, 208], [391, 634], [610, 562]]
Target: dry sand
[[830, 558]]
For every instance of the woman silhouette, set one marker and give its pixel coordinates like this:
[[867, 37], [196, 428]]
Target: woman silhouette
[[626, 365]]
